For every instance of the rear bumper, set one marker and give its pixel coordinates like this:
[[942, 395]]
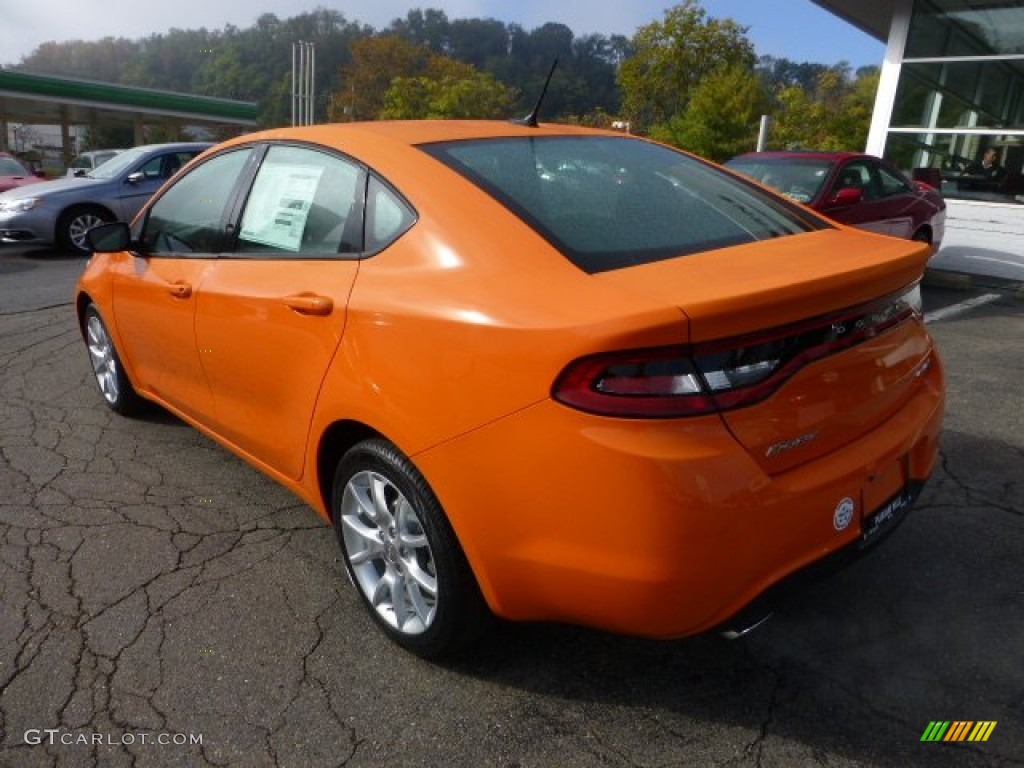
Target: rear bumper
[[894, 512], [662, 529]]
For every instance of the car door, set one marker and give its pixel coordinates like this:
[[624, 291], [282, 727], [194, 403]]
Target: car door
[[870, 212], [270, 317], [154, 294], [144, 179], [900, 201]]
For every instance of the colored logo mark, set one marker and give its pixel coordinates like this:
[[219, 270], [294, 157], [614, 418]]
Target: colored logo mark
[[958, 730]]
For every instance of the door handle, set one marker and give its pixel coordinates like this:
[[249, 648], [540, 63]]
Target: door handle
[[310, 304], [180, 290]]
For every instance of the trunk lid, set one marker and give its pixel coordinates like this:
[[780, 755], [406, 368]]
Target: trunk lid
[[814, 291]]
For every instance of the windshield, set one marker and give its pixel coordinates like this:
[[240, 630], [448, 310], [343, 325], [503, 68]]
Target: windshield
[[116, 165], [608, 202], [798, 178], [11, 167]]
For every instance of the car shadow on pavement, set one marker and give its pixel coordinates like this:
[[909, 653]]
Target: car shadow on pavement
[[925, 627]]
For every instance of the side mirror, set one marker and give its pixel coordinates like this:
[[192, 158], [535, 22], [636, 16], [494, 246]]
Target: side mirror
[[847, 196], [39, 173], [136, 178], [109, 238]]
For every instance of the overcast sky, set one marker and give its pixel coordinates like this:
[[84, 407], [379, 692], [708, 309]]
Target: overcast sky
[[794, 29]]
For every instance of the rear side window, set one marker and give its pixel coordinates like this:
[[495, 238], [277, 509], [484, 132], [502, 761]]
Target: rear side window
[[387, 216], [610, 202], [892, 183]]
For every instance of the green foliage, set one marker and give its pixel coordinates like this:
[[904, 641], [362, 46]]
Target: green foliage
[[686, 78], [671, 57], [108, 137], [723, 116], [476, 96], [374, 63], [252, 64], [834, 115]]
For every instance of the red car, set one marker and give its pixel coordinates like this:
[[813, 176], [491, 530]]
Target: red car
[[860, 190], [14, 174]]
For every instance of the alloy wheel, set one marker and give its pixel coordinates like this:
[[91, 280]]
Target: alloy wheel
[[389, 552], [104, 361]]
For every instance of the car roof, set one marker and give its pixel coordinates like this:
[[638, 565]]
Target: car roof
[[802, 154], [414, 132], [175, 145]]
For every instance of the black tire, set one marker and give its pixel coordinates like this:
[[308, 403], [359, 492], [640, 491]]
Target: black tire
[[393, 534], [923, 235], [110, 376], [75, 222]]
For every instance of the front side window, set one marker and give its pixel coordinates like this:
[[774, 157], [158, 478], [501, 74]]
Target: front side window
[[859, 175], [303, 201], [608, 202], [189, 217]]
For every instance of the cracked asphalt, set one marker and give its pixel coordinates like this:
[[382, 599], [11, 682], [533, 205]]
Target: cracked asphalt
[[151, 584]]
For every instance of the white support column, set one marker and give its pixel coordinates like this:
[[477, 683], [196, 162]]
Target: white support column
[[66, 150], [885, 99]]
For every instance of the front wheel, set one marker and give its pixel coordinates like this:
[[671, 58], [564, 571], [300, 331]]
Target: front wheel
[[402, 553], [73, 226], [113, 382]]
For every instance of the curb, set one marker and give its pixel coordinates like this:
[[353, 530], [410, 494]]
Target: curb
[[964, 281]]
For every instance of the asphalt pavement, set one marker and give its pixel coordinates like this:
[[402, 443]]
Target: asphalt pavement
[[163, 604]]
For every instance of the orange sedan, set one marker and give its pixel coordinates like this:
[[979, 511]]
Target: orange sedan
[[543, 373]]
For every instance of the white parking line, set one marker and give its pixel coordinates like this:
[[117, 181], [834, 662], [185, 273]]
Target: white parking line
[[958, 309]]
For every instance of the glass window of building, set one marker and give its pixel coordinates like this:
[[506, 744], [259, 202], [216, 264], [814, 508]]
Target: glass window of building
[[959, 107]]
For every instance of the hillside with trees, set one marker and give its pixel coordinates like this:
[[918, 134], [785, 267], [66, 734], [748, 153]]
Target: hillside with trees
[[686, 78]]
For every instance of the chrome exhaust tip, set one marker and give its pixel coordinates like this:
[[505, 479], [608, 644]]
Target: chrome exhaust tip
[[746, 628]]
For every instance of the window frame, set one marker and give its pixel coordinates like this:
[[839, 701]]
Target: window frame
[[225, 223], [231, 221]]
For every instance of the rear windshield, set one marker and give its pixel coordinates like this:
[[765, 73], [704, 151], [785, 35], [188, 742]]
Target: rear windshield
[[608, 202]]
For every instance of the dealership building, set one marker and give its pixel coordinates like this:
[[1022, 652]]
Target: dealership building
[[952, 88]]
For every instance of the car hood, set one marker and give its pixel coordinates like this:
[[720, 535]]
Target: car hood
[[13, 182], [54, 187]]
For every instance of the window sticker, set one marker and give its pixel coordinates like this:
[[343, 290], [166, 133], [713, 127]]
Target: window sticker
[[279, 205]]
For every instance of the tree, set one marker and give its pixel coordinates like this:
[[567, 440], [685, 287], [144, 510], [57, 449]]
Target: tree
[[375, 63], [670, 57], [723, 115], [477, 95], [834, 115]]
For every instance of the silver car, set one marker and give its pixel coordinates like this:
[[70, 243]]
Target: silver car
[[62, 211], [90, 161]]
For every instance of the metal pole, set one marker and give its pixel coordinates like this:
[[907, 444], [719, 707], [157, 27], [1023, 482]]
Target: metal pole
[[762, 134], [312, 81], [302, 83], [293, 83]]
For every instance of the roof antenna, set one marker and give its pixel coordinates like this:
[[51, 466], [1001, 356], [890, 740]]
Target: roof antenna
[[531, 119]]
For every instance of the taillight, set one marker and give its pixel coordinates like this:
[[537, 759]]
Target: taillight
[[643, 383], [667, 382]]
